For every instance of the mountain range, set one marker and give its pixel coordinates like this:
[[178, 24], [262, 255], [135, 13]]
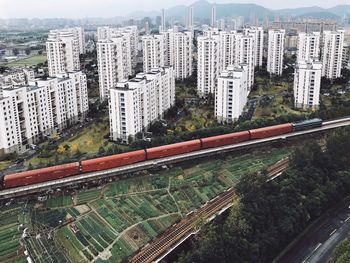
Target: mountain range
[[202, 10]]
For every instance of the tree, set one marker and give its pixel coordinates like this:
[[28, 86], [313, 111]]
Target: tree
[[101, 150], [66, 147], [60, 149]]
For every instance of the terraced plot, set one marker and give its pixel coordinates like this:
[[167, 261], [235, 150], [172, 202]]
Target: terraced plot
[[111, 223], [10, 235]]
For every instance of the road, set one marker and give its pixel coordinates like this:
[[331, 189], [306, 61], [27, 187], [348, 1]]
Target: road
[[318, 242]]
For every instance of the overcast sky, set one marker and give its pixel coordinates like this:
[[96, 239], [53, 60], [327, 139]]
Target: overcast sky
[[110, 8]]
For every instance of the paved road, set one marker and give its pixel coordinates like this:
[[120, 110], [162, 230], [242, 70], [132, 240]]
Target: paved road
[[319, 241]]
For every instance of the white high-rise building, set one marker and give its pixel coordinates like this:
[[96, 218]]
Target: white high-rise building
[[114, 62], [221, 24], [231, 95], [258, 34], [178, 51], [332, 53], [275, 51], [80, 35], [346, 56], [307, 83], [162, 23], [308, 46], [218, 50], [30, 111], [136, 103], [190, 18], [208, 64], [213, 16], [154, 55], [183, 54], [62, 48], [235, 49], [130, 33]]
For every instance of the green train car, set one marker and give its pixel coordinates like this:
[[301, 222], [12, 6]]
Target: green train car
[[308, 124]]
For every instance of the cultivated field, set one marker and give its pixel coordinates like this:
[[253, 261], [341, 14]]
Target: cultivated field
[[111, 223], [31, 61]]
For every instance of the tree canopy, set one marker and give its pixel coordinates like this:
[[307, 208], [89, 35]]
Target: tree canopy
[[268, 215]]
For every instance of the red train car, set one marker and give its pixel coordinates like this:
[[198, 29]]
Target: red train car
[[270, 131], [113, 161], [226, 139], [173, 149], [41, 175]]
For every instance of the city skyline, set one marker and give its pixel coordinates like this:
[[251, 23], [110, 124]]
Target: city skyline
[[110, 8]]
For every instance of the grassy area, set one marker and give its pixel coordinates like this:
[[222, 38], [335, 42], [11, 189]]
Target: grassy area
[[88, 141], [185, 91], [199, 116], [4, 165], [31, 61], [275, 107], [267, 86]]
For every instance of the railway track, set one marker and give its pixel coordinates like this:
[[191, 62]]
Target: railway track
[[182, 229], [83, 178], [186, 227]]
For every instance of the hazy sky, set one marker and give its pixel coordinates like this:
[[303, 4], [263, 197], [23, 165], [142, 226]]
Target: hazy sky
[[110, 8]]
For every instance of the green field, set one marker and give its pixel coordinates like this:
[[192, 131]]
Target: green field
[[10, 235], [110, 223], [27, 62], [4, 165], [126, 214], [88, 141]]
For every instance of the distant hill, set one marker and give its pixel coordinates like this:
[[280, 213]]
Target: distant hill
[[202, 10], [340, 10], [300, 11], [320, 15]]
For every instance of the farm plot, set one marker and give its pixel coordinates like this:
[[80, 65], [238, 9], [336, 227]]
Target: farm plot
[[135, 185], [59, 201], [111, 223], [10, 235], [44, 249], [138, 236], [203, 182], [84, 197], [124, 211], [93, 236]]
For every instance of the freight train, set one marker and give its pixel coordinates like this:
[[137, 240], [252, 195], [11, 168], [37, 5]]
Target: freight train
[[118, 160]]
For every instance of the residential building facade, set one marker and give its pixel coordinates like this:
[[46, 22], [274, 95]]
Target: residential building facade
[[114, 62], [308, 46], [307, 83], [275, 51], [154, 52], [134, 104], [62, 48], [232, 93], [332, 53], [28, 112]]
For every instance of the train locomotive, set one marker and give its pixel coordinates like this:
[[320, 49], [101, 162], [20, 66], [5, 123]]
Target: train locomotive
[[104, 163]]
